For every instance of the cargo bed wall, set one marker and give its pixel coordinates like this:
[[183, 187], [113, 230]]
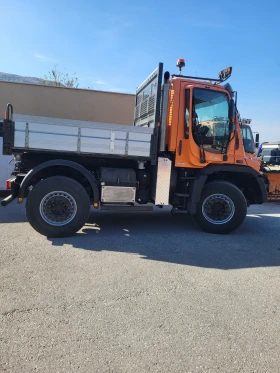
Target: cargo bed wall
[[62, 135]]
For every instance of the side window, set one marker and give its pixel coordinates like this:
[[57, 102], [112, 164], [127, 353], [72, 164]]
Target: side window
[[210, 125], [187, 114], [248, 140]]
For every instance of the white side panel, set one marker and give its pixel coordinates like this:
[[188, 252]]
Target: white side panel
[[80, 123], [19, 134], [102, 141], [95, 146], [46, 128], [36, 133], [90, 132], [19, 139], [163, 181], [20, 126], [52, 142], [51, 128], [141, 149], [145, 137], [139, 144]]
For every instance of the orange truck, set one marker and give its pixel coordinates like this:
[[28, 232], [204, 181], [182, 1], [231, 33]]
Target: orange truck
[[185, 150]]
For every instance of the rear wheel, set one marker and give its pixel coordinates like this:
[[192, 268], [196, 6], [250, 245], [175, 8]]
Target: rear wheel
[[58, 207], [222, 207]]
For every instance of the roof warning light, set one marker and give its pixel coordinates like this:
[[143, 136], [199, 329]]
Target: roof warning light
[[180, 63]]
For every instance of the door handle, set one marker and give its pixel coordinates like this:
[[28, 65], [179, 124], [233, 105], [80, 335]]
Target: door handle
[[180, 147]]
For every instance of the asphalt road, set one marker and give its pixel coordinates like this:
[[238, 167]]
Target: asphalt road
[[140, 292]]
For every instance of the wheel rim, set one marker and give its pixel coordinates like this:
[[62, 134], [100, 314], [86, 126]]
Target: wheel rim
[[58, 208], [218, 209]]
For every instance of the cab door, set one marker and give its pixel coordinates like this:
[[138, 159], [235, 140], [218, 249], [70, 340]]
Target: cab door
[[203, 126]]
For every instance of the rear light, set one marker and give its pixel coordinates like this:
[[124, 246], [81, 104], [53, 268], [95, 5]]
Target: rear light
[[9, 183]]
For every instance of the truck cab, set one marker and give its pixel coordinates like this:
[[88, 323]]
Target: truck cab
[[203, 132]]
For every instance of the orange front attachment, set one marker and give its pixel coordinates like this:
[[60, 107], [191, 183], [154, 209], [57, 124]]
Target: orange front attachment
[[274, 186]]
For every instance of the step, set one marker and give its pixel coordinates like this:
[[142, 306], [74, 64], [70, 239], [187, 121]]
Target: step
[[185, 195], [177, 211], [125, 208]]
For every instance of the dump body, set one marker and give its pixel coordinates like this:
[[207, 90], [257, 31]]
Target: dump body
[[32, 133]]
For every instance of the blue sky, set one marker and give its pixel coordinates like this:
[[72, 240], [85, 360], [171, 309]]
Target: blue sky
[[114, 45]]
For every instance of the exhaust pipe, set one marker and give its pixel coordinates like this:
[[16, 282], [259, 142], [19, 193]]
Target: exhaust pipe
[[7, 200]]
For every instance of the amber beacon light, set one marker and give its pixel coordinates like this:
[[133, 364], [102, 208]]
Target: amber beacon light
[[180, 64]]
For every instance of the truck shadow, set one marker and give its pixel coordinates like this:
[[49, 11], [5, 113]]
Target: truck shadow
[[176, 239], [13, 213]]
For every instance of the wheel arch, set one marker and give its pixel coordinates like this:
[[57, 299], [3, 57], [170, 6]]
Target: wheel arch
[[245, 178], [67, 168]]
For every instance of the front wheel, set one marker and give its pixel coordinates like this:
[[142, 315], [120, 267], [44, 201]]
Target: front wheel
[[222, 207], [57, 207]]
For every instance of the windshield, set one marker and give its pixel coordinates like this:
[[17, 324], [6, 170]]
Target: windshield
[[210, 120], [248, 139]]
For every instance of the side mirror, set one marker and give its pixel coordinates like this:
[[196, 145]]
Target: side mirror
[[231, 115], [257, 140]]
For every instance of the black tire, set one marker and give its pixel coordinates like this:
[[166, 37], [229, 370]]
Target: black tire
[[224, 211], [58, 207]]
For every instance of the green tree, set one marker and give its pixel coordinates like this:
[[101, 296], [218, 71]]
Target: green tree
[[57, 78]]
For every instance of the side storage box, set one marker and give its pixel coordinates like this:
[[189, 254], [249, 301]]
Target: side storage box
[[118, 177]]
